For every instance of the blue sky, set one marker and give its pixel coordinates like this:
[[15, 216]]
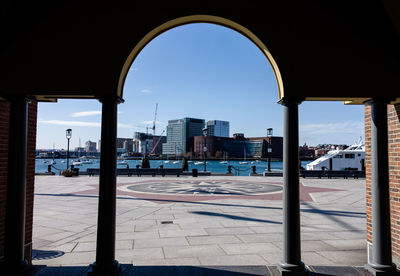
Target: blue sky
[[201, 71]]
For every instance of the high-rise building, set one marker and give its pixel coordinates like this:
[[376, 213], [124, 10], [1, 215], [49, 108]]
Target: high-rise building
[[90, 146], [218, 128], [180, 135], [143, 143]]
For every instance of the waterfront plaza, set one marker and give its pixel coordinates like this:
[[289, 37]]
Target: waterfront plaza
[[203, 221]]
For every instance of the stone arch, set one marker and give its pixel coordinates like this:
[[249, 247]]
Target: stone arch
[[199, 19]]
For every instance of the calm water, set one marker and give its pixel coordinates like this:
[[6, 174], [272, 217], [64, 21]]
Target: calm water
[[213, 166]]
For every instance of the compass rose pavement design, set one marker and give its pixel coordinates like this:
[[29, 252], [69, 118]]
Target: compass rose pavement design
[[190, 190]]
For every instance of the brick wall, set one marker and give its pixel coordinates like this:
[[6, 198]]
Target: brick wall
[[30, 177], [4, 119], [394, 174], [30, 173]]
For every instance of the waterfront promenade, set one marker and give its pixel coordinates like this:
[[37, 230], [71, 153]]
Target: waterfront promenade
[[203, 221]]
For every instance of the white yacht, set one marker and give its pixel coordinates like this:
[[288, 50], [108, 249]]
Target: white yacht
[[351, 158]]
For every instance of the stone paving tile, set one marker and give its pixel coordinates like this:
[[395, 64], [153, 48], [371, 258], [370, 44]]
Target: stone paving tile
[[268, 237], [148, 243], [275, 228], [140, 253], [66, 248], [172, 261], [272, 257], [188, 223], [233, 260], [348, 244], [213, 240], [215, 232], [39, 243], [57, 236], [165, 233], [228, 231], [350, 257], [70, 259], [349, 235], [125, 244], [192, 251], [313, 258], [317, 236], [310, 246], [249, 248], [137, 235], [85, 246]]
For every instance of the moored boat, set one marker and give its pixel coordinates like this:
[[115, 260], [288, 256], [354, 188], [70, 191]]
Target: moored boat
[[351, 158]]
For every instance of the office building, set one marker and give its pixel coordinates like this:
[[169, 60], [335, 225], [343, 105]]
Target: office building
[[90, 146], [218, 128], [239, 146], [180, 135], [148, 144]]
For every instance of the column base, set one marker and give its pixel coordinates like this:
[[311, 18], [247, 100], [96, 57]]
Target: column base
[[113, 269], [17, 269], [292, 269], [381, 270]]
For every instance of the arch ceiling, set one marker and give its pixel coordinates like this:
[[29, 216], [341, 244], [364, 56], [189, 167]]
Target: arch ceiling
[[324, 50]]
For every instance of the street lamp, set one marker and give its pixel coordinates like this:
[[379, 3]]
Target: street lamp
[[68, 134], [269, 135], [205, 148]]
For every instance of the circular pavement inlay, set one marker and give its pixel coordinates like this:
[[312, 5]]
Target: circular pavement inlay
[[206, 187]]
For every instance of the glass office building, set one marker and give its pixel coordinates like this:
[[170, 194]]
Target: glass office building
[[180, 135], [218, 128]]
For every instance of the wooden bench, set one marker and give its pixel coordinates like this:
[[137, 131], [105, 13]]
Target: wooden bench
[[140, 171]]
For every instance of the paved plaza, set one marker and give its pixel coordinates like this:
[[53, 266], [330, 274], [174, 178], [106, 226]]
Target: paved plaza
[[203, 221]]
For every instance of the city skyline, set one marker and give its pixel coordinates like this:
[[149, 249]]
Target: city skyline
[[200, 71]]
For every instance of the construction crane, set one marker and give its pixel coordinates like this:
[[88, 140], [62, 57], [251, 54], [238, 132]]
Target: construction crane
[[155, 145], [154, 122], [154, 129]]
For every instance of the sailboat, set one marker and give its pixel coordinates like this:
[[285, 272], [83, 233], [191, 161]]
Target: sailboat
[[54, 161], [244, 160], [224, 161]]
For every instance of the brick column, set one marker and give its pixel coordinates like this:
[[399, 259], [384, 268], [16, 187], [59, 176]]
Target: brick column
[[30, 173], [14, 242]]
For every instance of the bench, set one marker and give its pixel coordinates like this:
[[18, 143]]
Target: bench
[[140, 171], [330, 174]]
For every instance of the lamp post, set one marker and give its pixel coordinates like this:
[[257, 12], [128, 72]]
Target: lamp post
[[205, 148], [269, 135], [68, 134]]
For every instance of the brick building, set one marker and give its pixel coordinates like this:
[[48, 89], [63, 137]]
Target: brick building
[[238, 146]]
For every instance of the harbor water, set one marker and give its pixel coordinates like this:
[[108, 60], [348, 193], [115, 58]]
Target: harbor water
[[238, 167]]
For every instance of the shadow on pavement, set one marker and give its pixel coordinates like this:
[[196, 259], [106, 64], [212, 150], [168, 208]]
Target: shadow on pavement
[[129, 270]]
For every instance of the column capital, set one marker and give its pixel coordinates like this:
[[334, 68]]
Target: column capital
[[115, 99], [379, 101], [290, 100], [11, 97]]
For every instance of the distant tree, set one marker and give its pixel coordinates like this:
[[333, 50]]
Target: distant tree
[[145, 162]]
